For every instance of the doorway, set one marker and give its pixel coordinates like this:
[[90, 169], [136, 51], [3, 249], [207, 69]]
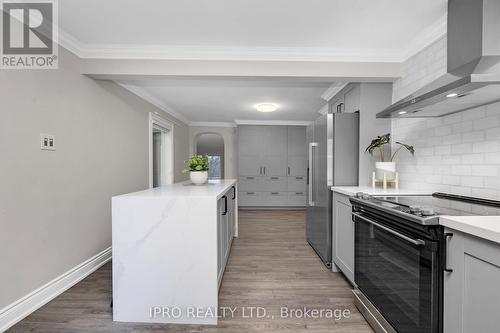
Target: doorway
[[212, 145], [160, 151]]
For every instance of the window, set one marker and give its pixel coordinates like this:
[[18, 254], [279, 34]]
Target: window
[[215, 167]]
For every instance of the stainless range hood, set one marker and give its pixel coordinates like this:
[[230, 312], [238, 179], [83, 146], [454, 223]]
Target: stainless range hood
[[473, 65]]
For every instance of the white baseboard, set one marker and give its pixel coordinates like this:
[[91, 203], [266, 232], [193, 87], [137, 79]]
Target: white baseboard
[[21, 308]]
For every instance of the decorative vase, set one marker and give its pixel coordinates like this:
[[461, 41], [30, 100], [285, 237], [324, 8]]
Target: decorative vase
[[198, 177], [389, 168]]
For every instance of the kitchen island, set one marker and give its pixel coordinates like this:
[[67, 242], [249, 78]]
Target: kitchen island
[[170, 248]]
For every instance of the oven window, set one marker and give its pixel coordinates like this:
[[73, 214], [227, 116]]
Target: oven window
[[396, 276]]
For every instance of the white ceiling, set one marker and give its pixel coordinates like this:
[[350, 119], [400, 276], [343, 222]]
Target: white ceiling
[[230, 99], [306, 30], [327, 29]]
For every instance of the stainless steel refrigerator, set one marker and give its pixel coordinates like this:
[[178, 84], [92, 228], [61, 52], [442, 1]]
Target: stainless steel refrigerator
[[333, 141]]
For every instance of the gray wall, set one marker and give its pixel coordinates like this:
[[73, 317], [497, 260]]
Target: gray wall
[[55, 206], [374, 98]]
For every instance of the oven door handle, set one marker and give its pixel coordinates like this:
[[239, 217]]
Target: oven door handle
[[417, 242]]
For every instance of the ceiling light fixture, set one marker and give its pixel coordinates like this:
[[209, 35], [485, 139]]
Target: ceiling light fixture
[[451, 95], [402, 112], [266, 107]]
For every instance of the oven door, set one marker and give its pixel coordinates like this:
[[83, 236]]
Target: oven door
[[398, 273]]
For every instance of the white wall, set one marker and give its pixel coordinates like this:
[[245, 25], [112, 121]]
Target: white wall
[[458, 153], [229, 134], [424, 67], [55, 206]]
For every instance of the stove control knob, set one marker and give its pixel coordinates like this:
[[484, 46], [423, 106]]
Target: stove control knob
[[415, 209], [359, 195], [366, 196], [427, 211]]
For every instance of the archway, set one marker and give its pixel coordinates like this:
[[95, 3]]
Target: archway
[[212, 145]]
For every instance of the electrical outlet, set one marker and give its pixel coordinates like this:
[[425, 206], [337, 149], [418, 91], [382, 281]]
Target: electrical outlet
[[47, 142]]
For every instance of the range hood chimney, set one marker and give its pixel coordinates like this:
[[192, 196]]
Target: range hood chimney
[[473, 65]]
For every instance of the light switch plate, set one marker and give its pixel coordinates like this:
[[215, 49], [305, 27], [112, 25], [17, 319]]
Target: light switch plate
[[47, 142]]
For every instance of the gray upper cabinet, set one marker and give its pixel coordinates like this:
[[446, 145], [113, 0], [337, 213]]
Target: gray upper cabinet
[[251, 154], [471, 293], [271, 159], [274, 147], [297, 151]]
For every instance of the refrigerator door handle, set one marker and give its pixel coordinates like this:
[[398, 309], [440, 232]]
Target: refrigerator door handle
[[312, 145]]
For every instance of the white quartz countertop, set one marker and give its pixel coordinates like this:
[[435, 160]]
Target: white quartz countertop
[[486, 227], [352, 190], [214, 188]]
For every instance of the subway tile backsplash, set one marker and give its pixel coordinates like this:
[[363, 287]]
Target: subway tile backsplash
[[458, 153]]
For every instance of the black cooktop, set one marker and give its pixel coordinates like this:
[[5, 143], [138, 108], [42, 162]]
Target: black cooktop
[[427, 208]]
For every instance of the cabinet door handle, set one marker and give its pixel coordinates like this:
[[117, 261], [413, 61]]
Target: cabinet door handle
[[234, 193], [264, 170], [260, 171], [299, 178], [275, 178], [250, 193], [275, 193], [445, 261], [225, 205], [250, 178], [289, 171]]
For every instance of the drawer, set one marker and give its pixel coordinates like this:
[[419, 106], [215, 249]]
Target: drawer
[[274, 184], [275, 199], [296, 184], [250, 198], [297, 199], [250, 183]]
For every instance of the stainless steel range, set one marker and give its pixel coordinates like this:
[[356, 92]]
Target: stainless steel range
[[400, 257]]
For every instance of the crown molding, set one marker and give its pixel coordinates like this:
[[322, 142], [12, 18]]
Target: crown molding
[[426, 37], [211, 124], [333, 90], [202, 52], [274, 122], [145, 95]]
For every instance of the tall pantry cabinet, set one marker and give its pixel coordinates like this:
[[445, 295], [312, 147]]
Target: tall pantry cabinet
[[272, 166]]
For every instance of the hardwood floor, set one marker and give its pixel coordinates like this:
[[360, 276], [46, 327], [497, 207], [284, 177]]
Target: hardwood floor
[[270, 266]]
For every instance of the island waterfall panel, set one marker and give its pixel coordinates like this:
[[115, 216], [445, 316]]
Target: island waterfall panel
[[170, 249]]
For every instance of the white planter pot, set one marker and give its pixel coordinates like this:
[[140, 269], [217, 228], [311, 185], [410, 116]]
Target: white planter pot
[[198, 177], [389, 168]]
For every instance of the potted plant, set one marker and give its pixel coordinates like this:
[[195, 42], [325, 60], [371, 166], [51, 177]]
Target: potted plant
[[198, 169], [386, 166]]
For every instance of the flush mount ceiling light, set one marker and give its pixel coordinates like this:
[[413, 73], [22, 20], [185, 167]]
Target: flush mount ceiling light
[[402, 112], [266, 107], [451, 95]]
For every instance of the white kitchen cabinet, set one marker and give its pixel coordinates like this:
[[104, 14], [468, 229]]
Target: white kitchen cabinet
[[471, 293], [272, 163], [343, 235]]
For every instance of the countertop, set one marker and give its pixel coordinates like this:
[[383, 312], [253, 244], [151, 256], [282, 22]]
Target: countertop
[[214, 188], [486, 227], [352, 190]]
